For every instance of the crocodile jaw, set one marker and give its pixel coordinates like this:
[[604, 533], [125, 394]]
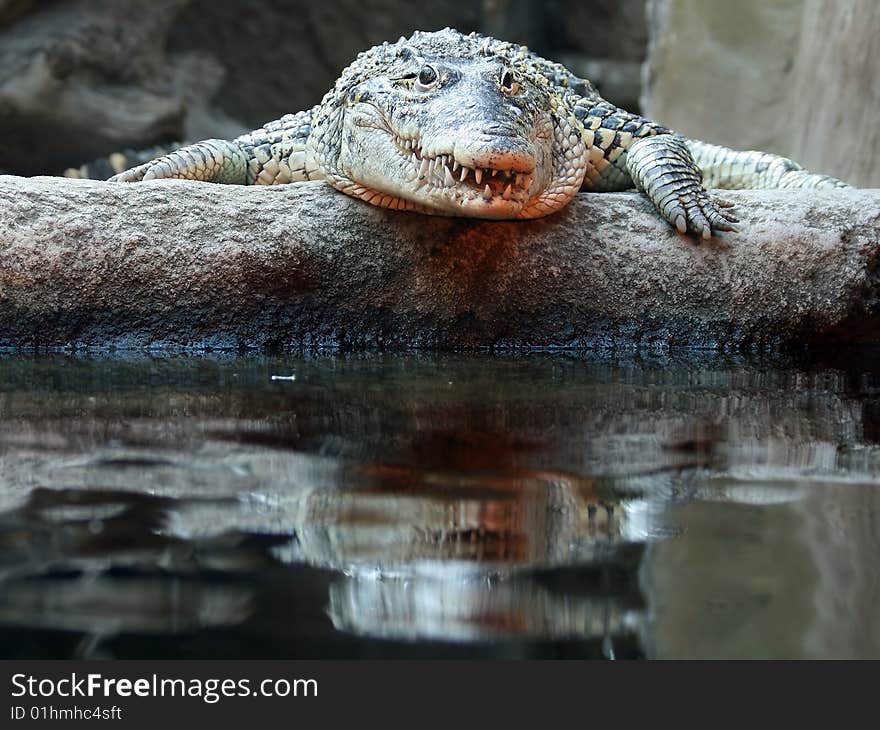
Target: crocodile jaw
[[392, 171], [407, 171]]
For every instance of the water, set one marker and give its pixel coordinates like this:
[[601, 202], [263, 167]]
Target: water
[[440, 506]]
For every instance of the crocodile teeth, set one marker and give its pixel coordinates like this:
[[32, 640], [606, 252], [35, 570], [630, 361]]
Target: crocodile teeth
[[478, 175], [447, 178], [519, 179], [487, 193], [425, 168], [494, 173], [464, 173], [507, 191], [454, 165]]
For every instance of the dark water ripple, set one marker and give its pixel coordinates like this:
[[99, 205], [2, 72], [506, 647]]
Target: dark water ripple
[[369, 506]]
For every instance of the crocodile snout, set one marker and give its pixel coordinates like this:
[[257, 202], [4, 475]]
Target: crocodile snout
[[493, 151]]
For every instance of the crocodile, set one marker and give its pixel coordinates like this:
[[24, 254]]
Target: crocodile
[[451, 124]]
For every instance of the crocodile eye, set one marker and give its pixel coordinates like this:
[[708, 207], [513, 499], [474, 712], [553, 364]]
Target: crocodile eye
[[428, 76], [507, 80]]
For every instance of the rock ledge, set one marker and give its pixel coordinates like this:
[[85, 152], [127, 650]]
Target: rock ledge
[[189, 265]]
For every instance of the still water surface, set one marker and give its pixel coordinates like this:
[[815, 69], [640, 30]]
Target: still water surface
[[440, 506]]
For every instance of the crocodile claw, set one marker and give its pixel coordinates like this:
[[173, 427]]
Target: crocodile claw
[[696, 212], [135, 174]]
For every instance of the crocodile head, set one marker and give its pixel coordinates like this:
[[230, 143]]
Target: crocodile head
[[450, 124]]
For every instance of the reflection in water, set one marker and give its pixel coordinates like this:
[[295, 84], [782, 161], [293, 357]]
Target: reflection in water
[[439, 506], [107, 605]]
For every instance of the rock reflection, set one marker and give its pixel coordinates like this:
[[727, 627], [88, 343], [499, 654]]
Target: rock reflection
[[105, 605]]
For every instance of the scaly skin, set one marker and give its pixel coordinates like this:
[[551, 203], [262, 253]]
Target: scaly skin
[[466, 125]]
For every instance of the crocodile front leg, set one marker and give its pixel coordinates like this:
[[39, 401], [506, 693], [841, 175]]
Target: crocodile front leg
[[272, 155], [609, 132], [630, 151]]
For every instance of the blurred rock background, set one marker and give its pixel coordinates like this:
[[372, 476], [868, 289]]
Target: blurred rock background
[[797, 77], [80, 79]]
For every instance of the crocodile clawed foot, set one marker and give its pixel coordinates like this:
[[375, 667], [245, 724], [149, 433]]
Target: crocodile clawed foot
[[698, 213]]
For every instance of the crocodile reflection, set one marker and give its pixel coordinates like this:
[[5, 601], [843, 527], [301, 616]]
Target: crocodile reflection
[[401, 518], [459, 557]]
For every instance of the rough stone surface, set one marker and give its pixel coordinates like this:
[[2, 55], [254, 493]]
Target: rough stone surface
[[794, 77], [194, 265]]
